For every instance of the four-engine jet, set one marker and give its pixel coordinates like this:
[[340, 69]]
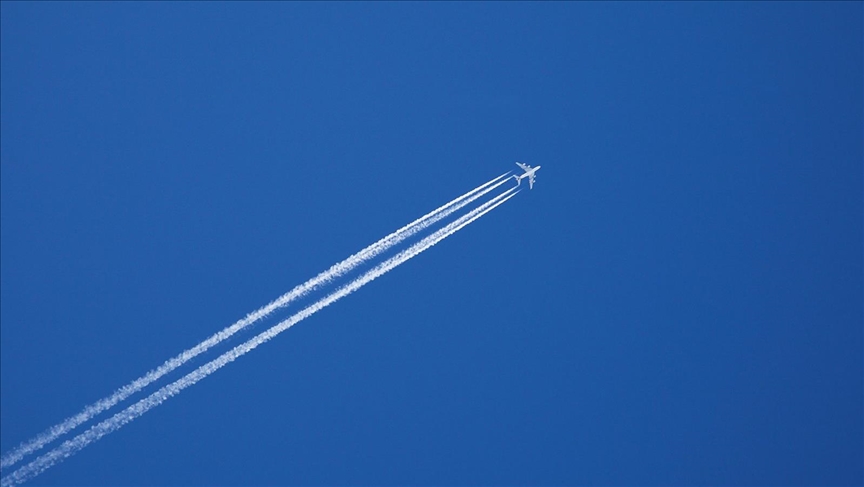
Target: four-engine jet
[[529, 173]]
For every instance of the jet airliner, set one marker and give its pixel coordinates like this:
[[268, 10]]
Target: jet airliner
[[529, 173]]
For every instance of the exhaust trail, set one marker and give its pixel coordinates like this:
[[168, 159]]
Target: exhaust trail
[[339, 269], [76, 444]]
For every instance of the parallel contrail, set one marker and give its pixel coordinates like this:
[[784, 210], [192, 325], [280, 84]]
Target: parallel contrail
[[70, 447], [301, 290]]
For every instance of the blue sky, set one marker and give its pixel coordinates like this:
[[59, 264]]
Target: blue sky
[[677, 302]]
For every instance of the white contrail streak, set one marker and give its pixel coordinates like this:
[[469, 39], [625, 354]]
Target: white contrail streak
[[301, 290], [70, 447]]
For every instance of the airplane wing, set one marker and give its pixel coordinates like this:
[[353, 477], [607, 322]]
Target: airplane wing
[[531, 181], [523, 166]]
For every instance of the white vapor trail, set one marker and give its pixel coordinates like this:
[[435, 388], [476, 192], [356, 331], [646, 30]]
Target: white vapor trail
[[70, 447], [301, 290]]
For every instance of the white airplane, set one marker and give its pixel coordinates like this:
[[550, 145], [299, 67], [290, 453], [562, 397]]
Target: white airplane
[[529, 173]]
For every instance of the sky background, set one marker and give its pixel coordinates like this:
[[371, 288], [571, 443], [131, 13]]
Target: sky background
[[677, 302]]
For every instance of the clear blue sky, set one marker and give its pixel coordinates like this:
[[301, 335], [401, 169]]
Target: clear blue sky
[[677, 302]]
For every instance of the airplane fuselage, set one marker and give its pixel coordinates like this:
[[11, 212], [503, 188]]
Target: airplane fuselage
[[527, 174]]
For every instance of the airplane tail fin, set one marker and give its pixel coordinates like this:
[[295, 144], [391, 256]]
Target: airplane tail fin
[[518, 180]]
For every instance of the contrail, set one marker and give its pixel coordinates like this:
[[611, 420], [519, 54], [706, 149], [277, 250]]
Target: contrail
[[301, 290], [70, 447]]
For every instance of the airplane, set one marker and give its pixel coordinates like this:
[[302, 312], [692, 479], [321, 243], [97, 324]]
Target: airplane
[[529, 173]]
